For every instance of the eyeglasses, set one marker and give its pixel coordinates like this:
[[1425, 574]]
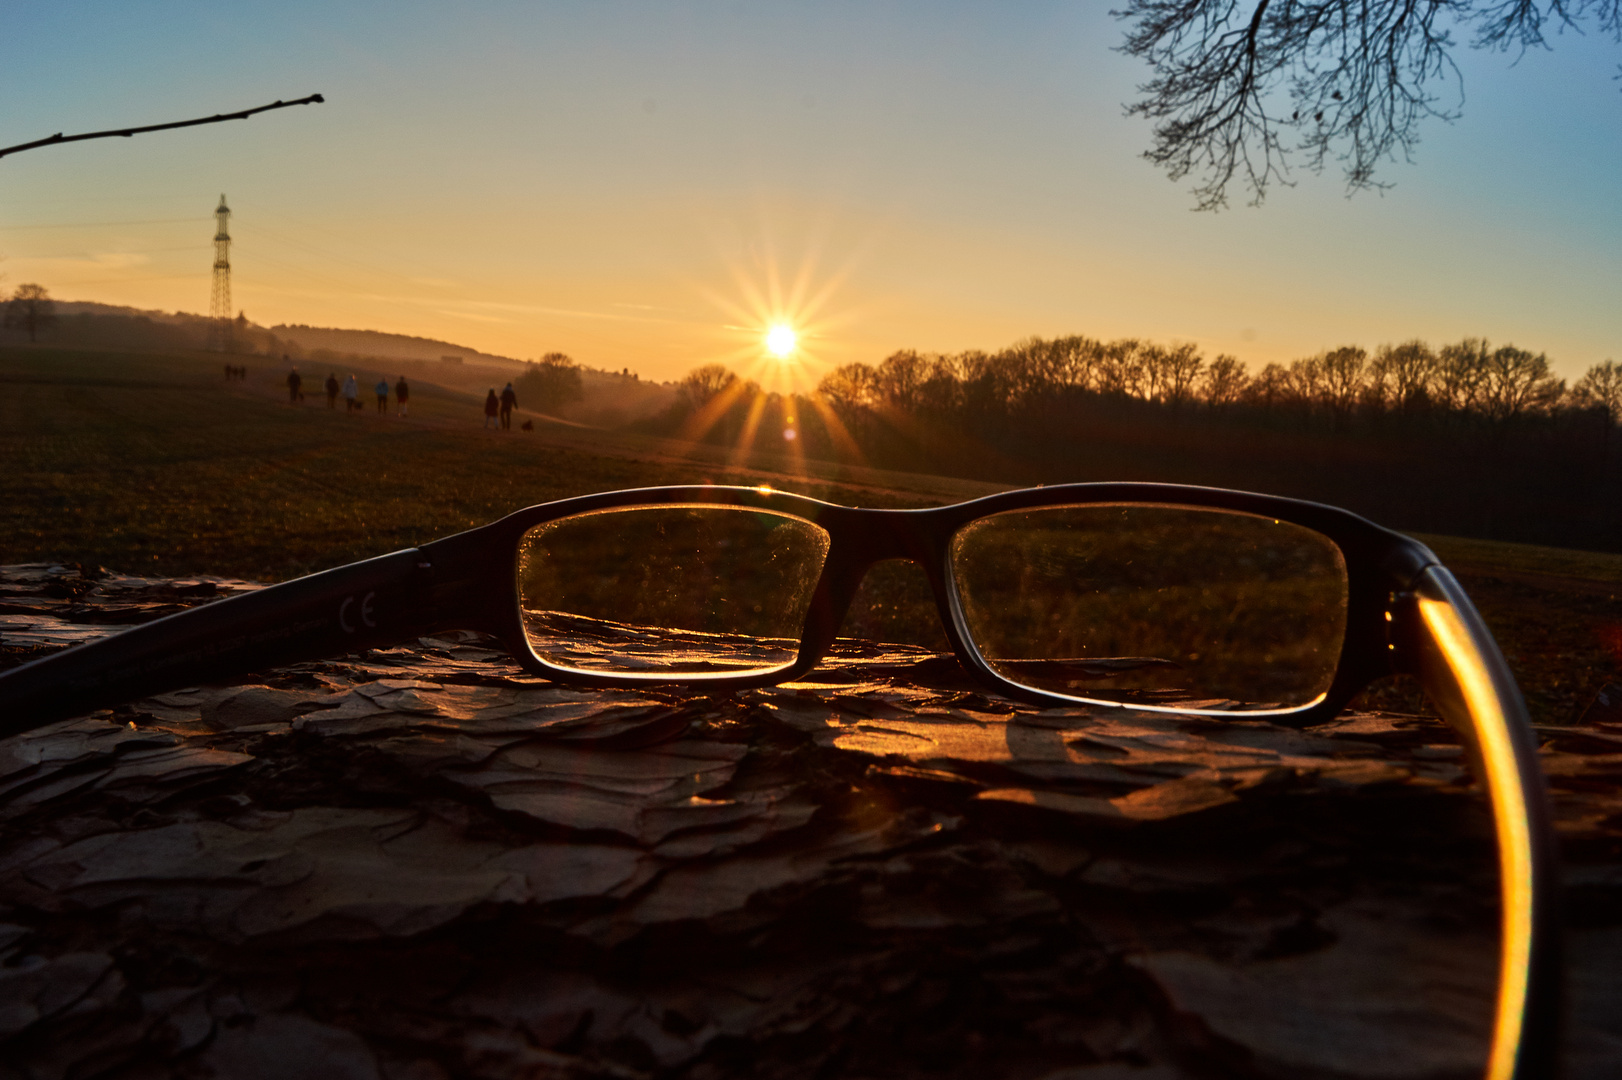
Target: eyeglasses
[[1145, 596]]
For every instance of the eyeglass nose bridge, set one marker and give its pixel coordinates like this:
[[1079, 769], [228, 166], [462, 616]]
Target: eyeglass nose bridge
[[859, 542]]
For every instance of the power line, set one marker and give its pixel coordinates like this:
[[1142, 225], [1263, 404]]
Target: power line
[[271, 234], [303, 270], [77, 254], [122, 280], [362, 264], [103, 224]]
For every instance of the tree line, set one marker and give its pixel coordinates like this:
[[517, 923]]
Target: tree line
[[1469, 380], [1468, 438]]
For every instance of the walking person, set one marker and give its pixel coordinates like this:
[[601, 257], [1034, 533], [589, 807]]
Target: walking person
[[351, 394], [332, 390], [509, 401], [402, 394], [293, 383], [492, 405], [382, 391]]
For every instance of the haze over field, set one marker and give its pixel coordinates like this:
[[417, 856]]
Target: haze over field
[[648, 186]]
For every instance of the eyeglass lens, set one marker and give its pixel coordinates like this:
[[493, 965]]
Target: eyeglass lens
[[663, 590], [1155, 605], [1135, 603]]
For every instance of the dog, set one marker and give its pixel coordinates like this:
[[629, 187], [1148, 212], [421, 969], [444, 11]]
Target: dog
[[527, 425]]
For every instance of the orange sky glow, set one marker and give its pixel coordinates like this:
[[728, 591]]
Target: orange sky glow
[[655, 188]]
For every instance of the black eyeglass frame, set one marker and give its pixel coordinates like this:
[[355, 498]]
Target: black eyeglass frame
[[1376, 560], [1405, 614]]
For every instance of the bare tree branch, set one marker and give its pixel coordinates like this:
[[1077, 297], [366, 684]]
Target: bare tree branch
[[1351, 80], [313, 99]]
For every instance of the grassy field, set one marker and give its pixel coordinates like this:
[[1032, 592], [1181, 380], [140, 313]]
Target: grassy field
[[1556, 613], [154, 464]]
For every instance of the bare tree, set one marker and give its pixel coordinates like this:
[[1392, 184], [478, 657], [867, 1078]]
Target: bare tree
[[900, 378], [1120, 369], [1024, 370], [1343, 379], [985, 385], [1170, 372], [1069, 362], [1238, 88], [1304, 385], [1224, 381], [1461, 374], [552, 383], [847, 387], [1600, 389], [1516, 382], [704, 384], [1270, 388], [30, 308], [1407, 371], [941, 392]]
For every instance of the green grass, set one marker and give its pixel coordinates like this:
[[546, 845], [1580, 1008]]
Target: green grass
[[159, 469], [153, 464], [1556, 613], [1496, 555]]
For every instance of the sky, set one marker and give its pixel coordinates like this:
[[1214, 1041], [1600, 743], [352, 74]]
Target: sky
[[651, 185]]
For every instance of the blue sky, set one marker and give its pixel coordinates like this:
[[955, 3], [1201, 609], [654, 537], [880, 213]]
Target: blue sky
[[646, 185]]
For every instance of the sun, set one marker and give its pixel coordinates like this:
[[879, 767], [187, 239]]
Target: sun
[[778, 329], [780, 341]]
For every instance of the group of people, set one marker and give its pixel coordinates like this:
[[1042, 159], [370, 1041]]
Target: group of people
[[349, 390], [498, 408], [235, 374], [501, 407]]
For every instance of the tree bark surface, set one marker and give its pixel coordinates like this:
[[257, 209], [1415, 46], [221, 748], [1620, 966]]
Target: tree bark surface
[[420, 863]]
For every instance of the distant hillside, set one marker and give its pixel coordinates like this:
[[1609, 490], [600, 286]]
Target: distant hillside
[[91, 307], [611, 398], [379, 343], [85, 325], [614, 399], [89, 324]]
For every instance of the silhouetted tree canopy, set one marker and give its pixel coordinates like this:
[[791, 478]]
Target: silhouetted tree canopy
[[1238, 89], [30, 308], [1465, 382], [1601, 389], [550, 384], [703, 384]]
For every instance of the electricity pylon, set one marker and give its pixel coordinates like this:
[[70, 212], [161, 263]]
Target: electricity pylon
[[219, 305]]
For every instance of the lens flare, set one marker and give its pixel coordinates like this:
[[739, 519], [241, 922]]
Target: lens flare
[[779, 328], [780, 341]]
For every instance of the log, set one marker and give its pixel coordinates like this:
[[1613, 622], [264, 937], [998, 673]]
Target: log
[[420, 863]]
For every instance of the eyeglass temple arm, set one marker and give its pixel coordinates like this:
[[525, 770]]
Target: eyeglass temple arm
[[1440, 638], [365, 604]]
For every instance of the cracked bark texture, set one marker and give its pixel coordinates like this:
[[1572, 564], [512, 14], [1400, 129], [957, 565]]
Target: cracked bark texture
[[419, 863]]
